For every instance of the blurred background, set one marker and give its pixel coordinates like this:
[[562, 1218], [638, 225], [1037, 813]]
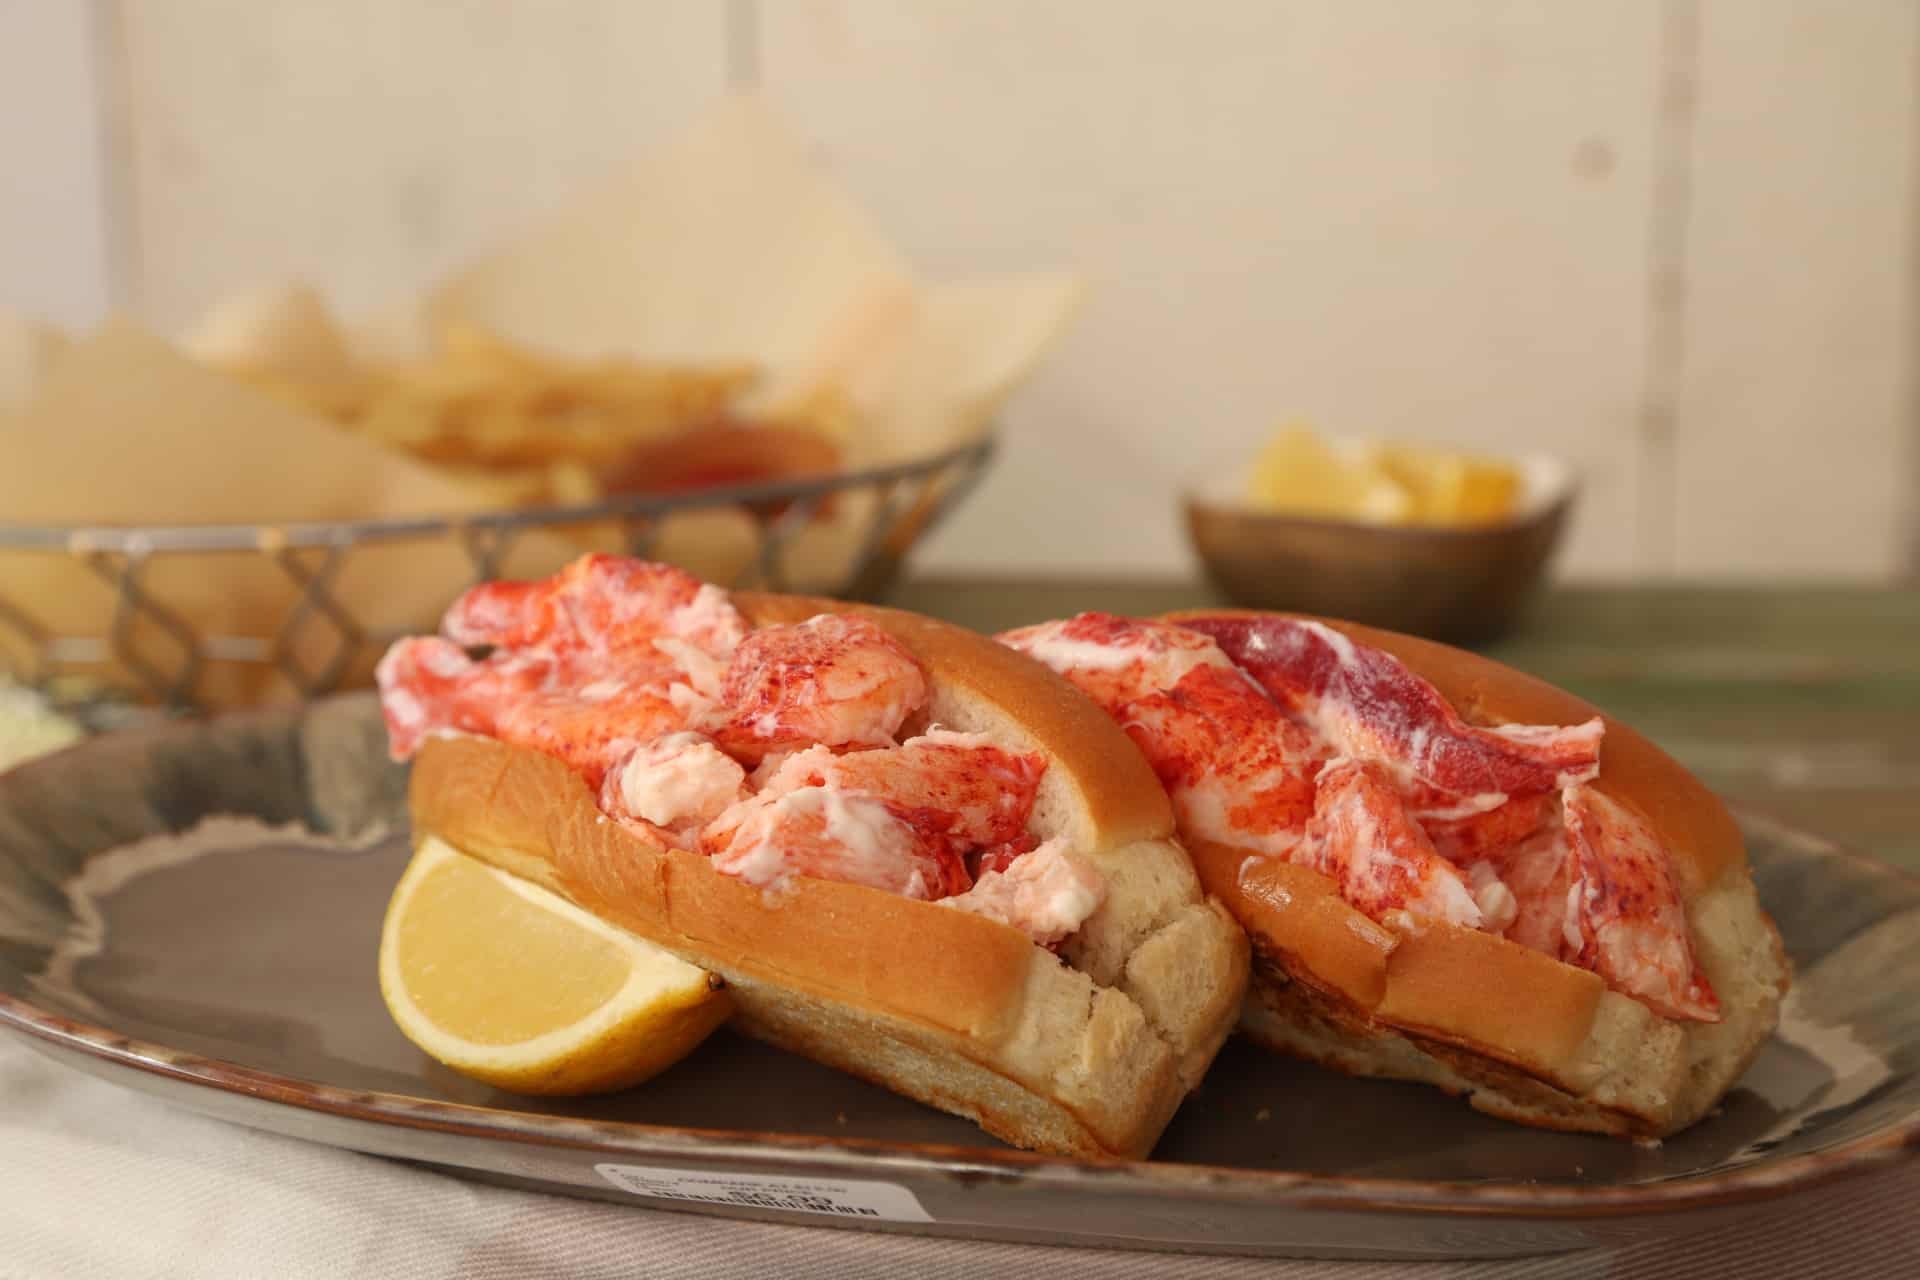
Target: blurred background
[[1670, 240]]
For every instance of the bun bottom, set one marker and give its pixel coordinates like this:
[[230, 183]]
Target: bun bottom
[[1634, 1075], [1085, 1071], [1296, 1019], [929, 1066]]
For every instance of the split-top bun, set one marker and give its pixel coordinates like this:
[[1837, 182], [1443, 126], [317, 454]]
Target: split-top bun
[[1087, 1051]]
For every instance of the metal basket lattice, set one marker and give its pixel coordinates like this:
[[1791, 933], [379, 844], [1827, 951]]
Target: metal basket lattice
[[150, 651]]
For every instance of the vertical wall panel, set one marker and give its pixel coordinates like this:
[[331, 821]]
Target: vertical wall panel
[[54, 249], [1421, 220], [1796, 417], [369, 145]]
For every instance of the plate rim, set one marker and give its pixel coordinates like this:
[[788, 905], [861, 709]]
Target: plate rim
[[1765, 1179]]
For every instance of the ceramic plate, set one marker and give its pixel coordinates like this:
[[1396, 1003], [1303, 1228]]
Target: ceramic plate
[[193, 911]]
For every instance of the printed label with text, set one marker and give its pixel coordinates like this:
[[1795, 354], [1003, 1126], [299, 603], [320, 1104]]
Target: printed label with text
[[838, 1197]]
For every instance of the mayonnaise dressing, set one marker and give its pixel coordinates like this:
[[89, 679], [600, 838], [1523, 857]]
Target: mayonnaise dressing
[[1498, 907], [1170, 662], [1047, 893], [677, 779]]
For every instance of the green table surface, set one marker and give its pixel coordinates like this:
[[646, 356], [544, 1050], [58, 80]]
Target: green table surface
[[1802, 702]]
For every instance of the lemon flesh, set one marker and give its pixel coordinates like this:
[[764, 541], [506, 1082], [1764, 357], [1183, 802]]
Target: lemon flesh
[[1450, 488], [511, 985], [1301, 474]]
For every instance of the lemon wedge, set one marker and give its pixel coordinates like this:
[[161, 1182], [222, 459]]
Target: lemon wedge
[[1450, 488], [1300, 473], [511, 985]]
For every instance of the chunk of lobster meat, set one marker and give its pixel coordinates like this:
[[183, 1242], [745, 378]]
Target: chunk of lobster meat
[[1536, 871], [1362, 838], [1467, 840], [793, 770], [590, 736], [959, 787], [1624, 917], [1001, 856], [675, 784], [586, 665], [507, 612], [1114, 660], [428, 684], [835, 680], [1366, 703], [1046, 894], [1499, 908], [824, 834], [1238, 770], [598, 603]]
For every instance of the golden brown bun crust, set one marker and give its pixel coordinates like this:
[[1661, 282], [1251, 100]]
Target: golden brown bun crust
[[818, 935], [1555, 1047], [943, 1005], [1435, 980]]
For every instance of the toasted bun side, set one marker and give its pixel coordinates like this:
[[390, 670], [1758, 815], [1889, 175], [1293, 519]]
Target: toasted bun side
[[1103, 1107], [1495, 1013], [948, 1007], [1422, 1005], [1434, 978], [506, 805], [1176, 954], [1739, 948], [1297, 1019]]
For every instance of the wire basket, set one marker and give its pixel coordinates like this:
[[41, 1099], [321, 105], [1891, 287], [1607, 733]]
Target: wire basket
[[151, 652]]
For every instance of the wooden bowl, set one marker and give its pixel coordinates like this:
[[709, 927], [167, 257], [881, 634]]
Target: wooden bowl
[[1460, 584]]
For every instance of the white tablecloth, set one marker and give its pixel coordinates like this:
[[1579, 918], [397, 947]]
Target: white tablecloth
[[99, 1181]]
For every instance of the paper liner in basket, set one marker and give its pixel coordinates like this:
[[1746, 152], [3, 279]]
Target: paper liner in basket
[[123, 430], [728, 245]]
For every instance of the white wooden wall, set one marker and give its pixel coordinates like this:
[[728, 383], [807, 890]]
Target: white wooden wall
[[55, 241], [1671, 239]]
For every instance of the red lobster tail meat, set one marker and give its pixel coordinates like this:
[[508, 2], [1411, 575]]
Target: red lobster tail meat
[[1625, 920], [1462, 841], [1362, 838], [1237, 769], [1368, 704]]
